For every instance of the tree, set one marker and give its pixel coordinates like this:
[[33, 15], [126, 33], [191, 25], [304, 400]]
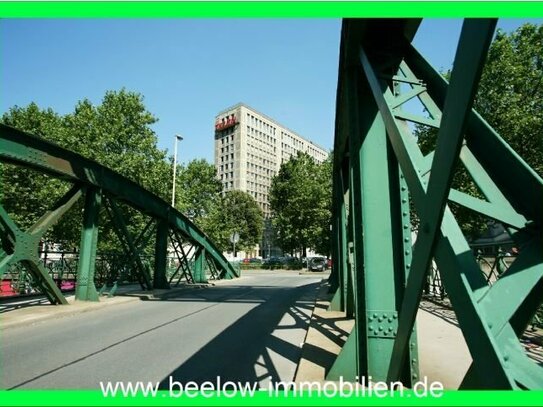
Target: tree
[[27, 194], [300, 198], [510, 95], [198, 190], [322, 240], [237, 212], [115, 133], [510, 99]]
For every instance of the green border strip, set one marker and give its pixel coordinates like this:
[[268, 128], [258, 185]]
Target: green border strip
[[271, 9], [261, 398]]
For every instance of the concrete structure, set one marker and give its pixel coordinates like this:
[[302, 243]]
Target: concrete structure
[[249, 149]]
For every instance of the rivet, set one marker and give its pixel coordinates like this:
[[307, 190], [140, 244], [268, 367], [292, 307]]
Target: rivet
[[394, 316], [404, 200], [404, 188], [407, 252], [408, 266], [380, 319], [389, 329], [371, 328], [406, 240], [413, 360], [506, 357], [385, 333], [405, 226], [384, 315], [380, 328], [370, 319], [374, 315]]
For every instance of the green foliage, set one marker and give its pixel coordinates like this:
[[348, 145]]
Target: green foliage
[[198, 191], [510, 95], [115, 133], [510, 99], [238, 212], [301, 200]]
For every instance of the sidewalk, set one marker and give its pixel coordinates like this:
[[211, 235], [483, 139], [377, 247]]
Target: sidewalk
[[443, 354], [442, 351], [30, 311]]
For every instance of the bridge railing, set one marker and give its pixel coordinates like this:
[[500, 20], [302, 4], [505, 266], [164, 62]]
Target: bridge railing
[[111, 269]]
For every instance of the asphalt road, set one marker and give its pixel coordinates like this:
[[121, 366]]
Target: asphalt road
[[248, 330]]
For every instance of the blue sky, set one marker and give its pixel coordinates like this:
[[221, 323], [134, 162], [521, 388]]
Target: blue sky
[[190, 69]]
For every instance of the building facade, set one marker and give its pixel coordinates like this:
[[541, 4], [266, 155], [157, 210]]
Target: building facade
[[249, 150]]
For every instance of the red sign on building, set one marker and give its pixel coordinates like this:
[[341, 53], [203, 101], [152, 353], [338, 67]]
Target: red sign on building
[[226, 122]]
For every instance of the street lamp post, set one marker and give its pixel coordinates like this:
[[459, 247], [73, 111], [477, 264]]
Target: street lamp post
[[177, 138]]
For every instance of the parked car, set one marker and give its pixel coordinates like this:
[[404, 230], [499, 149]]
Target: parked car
[[317, 264]]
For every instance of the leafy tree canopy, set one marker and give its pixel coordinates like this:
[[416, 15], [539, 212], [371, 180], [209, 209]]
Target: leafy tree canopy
[[510, 99], [236, 212], [300, 198]]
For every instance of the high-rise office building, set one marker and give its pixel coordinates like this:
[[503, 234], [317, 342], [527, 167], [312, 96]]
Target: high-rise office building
[[250, 147]]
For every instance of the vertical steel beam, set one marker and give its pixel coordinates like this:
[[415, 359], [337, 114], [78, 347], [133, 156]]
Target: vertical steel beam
[[340, 255], [199, 271], [85, 289], [161, 254]]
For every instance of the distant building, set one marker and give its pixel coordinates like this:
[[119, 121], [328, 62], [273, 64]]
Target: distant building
[[249, 150]]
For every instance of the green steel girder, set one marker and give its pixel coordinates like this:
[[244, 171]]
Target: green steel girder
[[22, 149], [85, 289], [22, 247], [183, 270], [375, 56], [161, 253], [129, 245]]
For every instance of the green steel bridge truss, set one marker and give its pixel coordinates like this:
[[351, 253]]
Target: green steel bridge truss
[[103, 190], [381, 177]]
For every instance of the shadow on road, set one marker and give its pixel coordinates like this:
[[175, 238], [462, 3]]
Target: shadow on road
[[256, 347]]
